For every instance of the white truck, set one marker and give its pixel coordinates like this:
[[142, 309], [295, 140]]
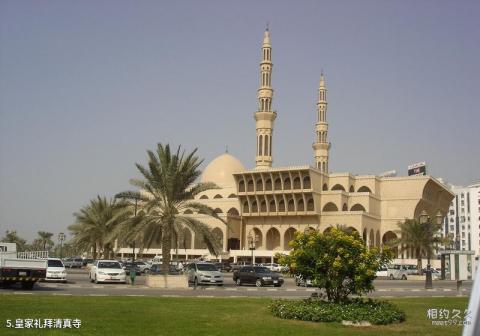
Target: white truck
[[23, 267]]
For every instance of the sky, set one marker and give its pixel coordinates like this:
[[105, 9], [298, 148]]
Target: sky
[[87, 87]]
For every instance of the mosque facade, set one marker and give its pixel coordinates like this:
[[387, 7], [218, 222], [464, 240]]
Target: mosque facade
[[265, 206]]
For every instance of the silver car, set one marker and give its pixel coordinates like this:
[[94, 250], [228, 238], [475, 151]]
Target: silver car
[[204, 274]]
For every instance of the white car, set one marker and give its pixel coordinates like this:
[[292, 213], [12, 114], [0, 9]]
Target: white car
[[273, 267], [397, 271], [382, 272], [107, 271], [56, 270]]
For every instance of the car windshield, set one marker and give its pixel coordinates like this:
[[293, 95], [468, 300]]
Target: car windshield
[[109, 264], [55, 263], [261, 270], [78, 260], [206, 267]]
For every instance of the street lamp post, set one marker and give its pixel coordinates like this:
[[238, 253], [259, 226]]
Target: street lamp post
[[425, 220], [61, 238], [252, 240]]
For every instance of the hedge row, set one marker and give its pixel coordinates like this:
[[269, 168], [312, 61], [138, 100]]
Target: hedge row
[[356, 310]]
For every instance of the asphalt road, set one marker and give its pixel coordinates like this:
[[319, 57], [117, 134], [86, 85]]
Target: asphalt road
[[79, 284]]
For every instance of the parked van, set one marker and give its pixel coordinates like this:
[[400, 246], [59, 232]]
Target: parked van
[[402, 272]]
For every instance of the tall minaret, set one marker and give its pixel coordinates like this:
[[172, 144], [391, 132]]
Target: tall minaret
[[321, 146], [265, 117]]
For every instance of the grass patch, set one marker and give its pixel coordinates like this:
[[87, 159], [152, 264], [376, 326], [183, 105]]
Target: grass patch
[[202, 316], [355, 310]]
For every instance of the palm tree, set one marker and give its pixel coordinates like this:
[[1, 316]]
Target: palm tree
[[13, 237], [420, 237], [94, 223], [44, 239], [166, 191]]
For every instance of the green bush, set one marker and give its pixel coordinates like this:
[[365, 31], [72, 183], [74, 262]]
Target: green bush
[[337, 261], [356, 310]]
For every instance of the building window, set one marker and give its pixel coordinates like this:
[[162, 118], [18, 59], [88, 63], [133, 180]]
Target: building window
[[452, 212]]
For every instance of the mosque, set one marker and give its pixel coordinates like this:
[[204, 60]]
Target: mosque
[[266, 205]]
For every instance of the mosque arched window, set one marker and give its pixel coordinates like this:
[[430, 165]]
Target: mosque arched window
[[250, 185], [278, 183], [268, 184], [272, 206], [259, 185], [260, 145], [241, 186], [263, 206], [266, 153], [306, 182], [296, 183]]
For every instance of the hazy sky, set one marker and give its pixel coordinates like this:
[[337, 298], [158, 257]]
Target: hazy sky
[[86, 87]]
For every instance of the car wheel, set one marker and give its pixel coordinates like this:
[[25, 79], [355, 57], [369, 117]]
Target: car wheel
[[404, 277], [391, 276], [96, 281], [238, 282], [147, 271], [258, 283]]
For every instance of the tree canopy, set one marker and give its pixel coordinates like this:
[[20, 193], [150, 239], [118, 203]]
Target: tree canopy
[[166, 190], [336, 261]]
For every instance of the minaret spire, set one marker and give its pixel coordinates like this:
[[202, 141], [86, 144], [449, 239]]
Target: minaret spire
[[321, 146], [265, 117]]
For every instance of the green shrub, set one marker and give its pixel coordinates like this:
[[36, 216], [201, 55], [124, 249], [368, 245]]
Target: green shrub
[[337, 261], [356, 310]]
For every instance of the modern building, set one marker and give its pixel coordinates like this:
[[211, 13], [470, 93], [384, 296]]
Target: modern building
[[463, 219], [265, 205]]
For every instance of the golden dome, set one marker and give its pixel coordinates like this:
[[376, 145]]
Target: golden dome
[[220, 170]]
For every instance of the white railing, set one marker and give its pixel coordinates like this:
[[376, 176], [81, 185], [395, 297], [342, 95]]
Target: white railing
[[33, 255]]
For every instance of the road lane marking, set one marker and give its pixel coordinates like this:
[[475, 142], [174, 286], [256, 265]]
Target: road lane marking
[[23, 293], [61, 294]]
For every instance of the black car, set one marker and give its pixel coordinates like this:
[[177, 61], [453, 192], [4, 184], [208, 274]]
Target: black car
[[223, 266], [258, 275], [156, 269]]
